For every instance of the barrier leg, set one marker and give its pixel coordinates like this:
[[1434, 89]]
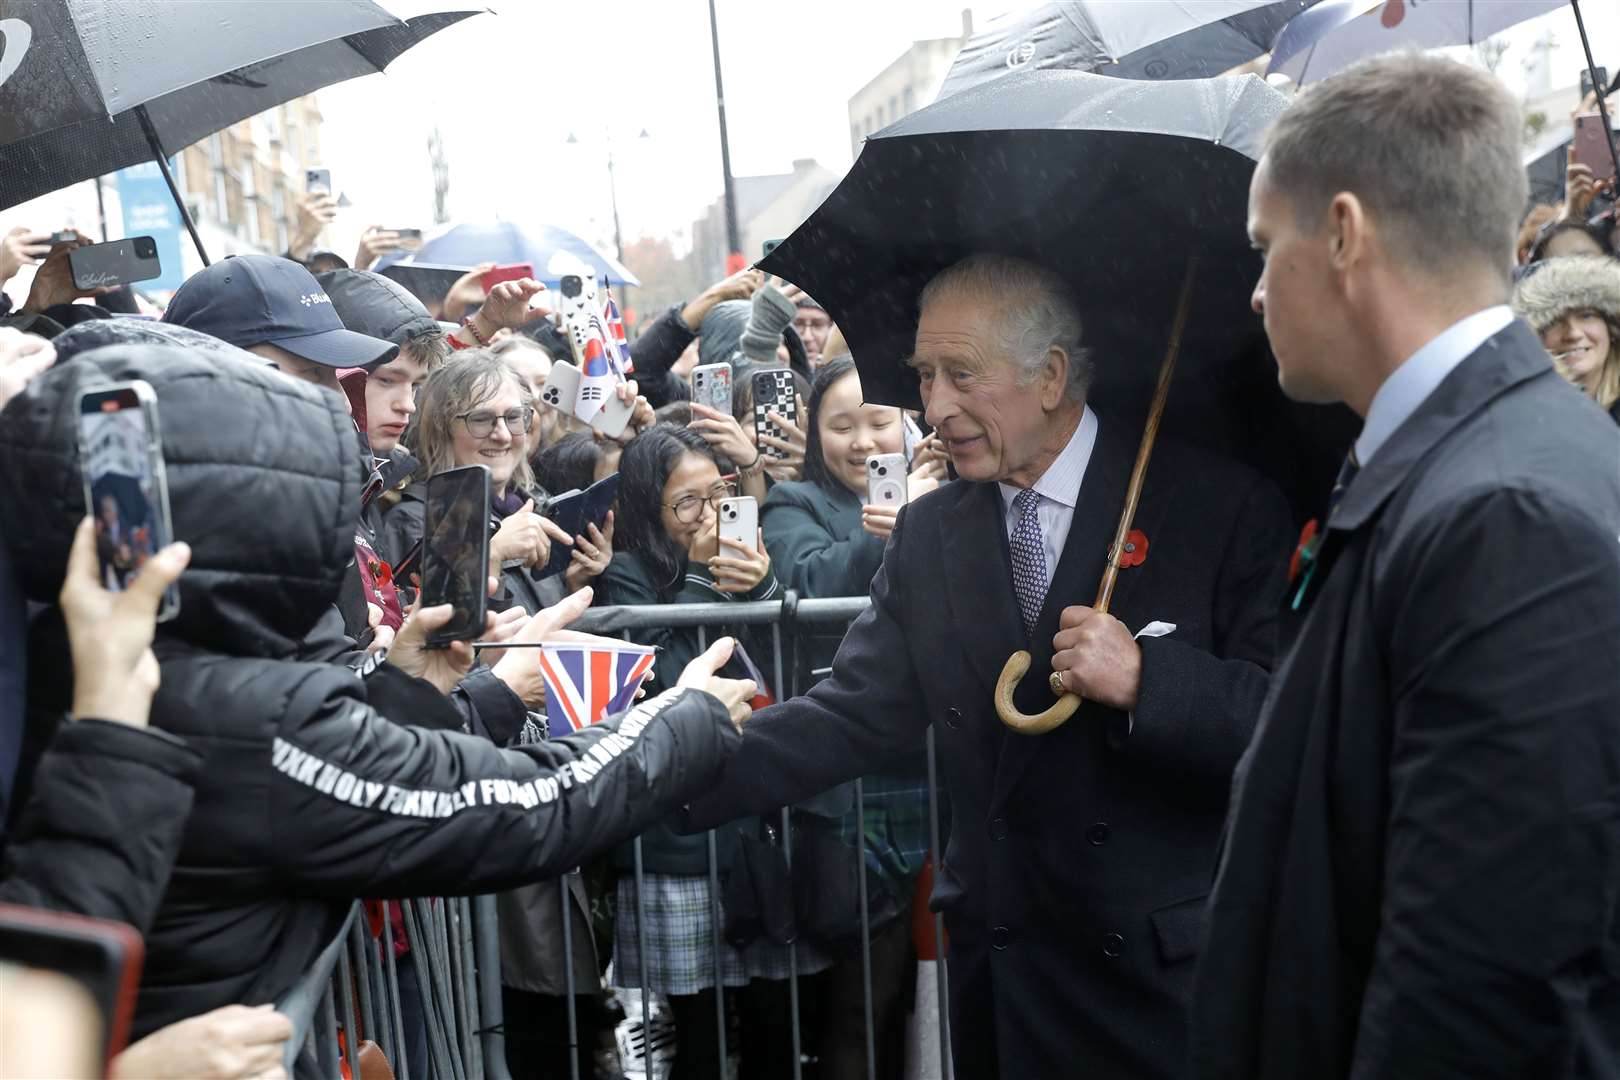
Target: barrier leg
[[945, 1070], [569, 987], [866, 929], [351, 1017], [487, 948], [444, 1067], [402, 1063], [469, 987], [364, 974], [326, 1044]]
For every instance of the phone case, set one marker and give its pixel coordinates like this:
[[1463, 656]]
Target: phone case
[[513, 272], [476, 602], [1591, 148], [118, 262], [318, 180], [774, 391], [711, 386], [886, 480], [739, 521], [613, 417], [104, 956], [561, 390]]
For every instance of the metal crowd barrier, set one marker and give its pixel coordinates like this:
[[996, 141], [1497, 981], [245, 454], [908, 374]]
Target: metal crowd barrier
[[353, 993]]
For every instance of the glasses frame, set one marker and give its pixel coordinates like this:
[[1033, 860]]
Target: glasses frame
[[716, 494], [504, 418]]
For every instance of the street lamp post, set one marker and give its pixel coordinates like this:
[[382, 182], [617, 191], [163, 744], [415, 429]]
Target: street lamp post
[[613, 187], [733, 241]]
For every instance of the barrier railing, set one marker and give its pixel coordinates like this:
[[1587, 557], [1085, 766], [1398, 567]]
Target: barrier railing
[[455, 944]]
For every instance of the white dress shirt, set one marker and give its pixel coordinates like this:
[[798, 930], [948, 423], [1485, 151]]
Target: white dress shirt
[[1410, 385], [1059, 490]]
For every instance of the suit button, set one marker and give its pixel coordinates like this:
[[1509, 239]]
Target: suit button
[[1098, 833], [998, 828], [953, 718], [1000, 937], [1113, 944]]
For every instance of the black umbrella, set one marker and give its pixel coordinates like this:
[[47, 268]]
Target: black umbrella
[[1116, 185], [1139, 39], [87, 87]]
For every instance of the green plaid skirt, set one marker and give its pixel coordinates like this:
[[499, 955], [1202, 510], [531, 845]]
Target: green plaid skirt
[[680, 941]]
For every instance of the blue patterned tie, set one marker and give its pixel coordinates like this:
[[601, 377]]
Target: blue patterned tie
[[1028, 558]]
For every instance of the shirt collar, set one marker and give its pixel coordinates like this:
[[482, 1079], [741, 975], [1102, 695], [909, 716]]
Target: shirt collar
[[1061, 480], [1409, 385]]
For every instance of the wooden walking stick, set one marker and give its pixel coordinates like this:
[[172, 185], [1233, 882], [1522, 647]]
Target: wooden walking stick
[[1018, 663]]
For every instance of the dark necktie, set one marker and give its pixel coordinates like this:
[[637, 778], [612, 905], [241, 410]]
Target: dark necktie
[[1028, 549]]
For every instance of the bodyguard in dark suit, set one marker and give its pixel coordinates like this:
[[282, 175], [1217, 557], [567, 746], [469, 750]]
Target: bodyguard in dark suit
[[1078, 862], [1421, 876]]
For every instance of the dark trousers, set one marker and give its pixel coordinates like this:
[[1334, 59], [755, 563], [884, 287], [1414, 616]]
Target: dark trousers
[[764, 1012], [536, 1027], [842, 1036]]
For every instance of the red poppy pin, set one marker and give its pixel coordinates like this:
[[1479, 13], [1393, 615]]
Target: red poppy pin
[[1135, 550], [1305, 552]]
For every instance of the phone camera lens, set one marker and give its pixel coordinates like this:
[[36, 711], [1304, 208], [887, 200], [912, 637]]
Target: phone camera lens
[[883, 470]]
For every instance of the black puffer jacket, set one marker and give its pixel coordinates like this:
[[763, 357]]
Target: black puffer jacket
[[308, 796]]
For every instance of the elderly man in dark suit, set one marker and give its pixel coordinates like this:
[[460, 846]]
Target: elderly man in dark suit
[[1422, 872], [1073, 885]]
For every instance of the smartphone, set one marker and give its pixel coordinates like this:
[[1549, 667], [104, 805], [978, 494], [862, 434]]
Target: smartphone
[[104, 957], [65, 236], [406, 234], [118, 262], [318, 181], [510, 272], [613, 417], [770, 246], [886, 480], [455, 550], [711, 386], [574, 511], [774, 392], [125, 488], [739, 521], [913, 437], [1586, 80], [561, 389], [1590, 147]]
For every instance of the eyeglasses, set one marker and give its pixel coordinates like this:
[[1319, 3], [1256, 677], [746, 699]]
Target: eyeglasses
[[480, 424], [690, 508]]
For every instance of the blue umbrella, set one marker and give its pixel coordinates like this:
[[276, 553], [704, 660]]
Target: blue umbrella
[[505, 242]]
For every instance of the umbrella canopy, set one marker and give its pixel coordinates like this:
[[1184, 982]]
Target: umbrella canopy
[[1333, 35], [467, 244], [1113, 184], [1127, 39], [75, 74]]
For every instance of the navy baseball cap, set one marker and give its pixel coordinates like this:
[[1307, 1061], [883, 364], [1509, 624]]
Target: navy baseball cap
[[257, 299]]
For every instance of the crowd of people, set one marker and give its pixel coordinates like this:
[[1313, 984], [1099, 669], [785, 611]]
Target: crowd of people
[[292, 741]]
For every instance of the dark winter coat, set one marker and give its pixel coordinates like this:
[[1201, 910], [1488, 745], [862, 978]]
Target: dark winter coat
[[310, 793], [1074, 879], [1421, 875]]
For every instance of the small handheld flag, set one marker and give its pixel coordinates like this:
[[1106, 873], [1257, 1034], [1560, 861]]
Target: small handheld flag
[[585, 683]]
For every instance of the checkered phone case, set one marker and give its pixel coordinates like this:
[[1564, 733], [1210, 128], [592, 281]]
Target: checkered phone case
[[774, 392]]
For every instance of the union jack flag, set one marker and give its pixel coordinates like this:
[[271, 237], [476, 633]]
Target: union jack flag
[[618, 344], [585, 683]]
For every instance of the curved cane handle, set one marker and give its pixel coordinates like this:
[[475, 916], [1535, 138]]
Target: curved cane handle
[[1042, 722]]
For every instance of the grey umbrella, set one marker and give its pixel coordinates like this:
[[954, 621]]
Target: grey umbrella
[[1126, 39], [87, 86]]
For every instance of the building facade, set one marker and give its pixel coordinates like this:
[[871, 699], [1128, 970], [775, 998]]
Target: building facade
[[906, 85]]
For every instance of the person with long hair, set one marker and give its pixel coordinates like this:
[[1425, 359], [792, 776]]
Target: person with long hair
[[670, 488], [827, 543], [1574, 304]]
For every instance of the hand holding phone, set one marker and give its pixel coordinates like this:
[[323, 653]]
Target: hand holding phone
[[774, 392], [1590, 147], [509, 272], [115, 263], [711, 386], [740, 562], [318, 181]]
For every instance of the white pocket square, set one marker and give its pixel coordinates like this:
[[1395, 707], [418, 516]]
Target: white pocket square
[[1156, 629]]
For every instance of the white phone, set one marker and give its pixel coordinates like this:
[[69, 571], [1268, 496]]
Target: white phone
[[614, 416], [886, 480], [711, 386], [561, 390], [739, 521]]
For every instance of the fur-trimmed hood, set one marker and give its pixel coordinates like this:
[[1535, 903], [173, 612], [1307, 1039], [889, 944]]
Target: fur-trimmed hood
[[1569, 283]]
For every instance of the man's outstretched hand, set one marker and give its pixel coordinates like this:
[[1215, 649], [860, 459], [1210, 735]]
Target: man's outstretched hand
[[734, 694]]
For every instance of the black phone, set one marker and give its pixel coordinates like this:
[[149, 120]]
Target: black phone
[[574, 511], [102, 956], [770, 246], [125, 488], [455, 551], [1586, 80], [117, 262]]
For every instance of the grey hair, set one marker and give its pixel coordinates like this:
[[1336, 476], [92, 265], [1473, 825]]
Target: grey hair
[[473, 376], [1037, 312], [1430, 147]]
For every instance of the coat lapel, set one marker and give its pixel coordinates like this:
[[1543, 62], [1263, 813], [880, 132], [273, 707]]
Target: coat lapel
[[980, 594], [1079, 572]]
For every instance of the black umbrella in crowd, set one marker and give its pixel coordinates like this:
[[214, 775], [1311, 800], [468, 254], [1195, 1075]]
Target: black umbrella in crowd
[[1136, 193], [1127, 39], [87, 86], [1112, 183]]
